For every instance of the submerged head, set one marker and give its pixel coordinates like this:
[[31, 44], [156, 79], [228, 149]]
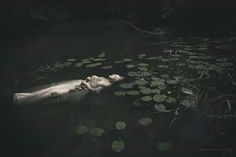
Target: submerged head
[[115, 77]]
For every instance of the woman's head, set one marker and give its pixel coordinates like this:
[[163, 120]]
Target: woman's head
[[115, 77]]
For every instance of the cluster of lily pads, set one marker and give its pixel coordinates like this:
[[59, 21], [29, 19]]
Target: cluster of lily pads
[[174, 77]]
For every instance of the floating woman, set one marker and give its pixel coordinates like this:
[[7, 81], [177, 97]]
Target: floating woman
[[67, 90]]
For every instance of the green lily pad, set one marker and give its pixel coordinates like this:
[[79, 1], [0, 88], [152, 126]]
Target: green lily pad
[[119, 62], [127, 60], [161, 108], [130, 66], [107, 67], [145, 121], [142, 69], [120, 125], [97, 131], [143, 64], [159, 98], [172, 81], [146, 98], [132, 73], [165, 76], [156, 91], [186, 102], [171, 100], [133, 92], [163, 66], [119, 93], [146, 91], [127, 85], [71, 60], [78, 65], [82, 129], [141, 82], [187, 91], [118, 146], [165, 146], [157, 83], [144, 74]]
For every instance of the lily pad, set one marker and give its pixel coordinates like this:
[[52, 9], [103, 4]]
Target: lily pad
[[165, 76], [82, 129], [120, 125], [118, 146], [143, 64], [133, 92], [71, 60], [144, 74], [130, 66], [127, 85], [159, 98], [132, 73], [172, 81], [107, 67], [145, 121], [97, 131], [146, 91], [141, 82], [119, 93], [163, 66], [161, 108], [156, 91], [142, 69], [157, 83], [171, 100], [146, 98], [165, 146], [127, 60], [187, 91]]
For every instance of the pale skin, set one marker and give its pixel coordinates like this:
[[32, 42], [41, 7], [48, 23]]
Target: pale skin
[[93, 83], [100, 83]]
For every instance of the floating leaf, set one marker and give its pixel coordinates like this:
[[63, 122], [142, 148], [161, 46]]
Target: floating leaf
[[186, 102], [171, 100], [127, 60], [159, 98], [187, 91], [156, 90], [107, 67], [141, 82], [132, 92], [157, 83], [119, 62], [146, 91], [145, 121], [161, 108], [127, 85], [119, 93], [146, 98], [165, 146], [120, 125], [81, 129], [143, 64], [130, 66], [71, 60], [163, 66], [142, 69], [132, 73], [165, 76], [171, 81], [97, 131], [118, 146]]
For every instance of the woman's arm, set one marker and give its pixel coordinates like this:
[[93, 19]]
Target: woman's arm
[[97, 89]]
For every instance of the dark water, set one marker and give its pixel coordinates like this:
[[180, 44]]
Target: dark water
[[50, 130]]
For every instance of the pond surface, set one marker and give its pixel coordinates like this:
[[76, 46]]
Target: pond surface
[[177, 98]]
